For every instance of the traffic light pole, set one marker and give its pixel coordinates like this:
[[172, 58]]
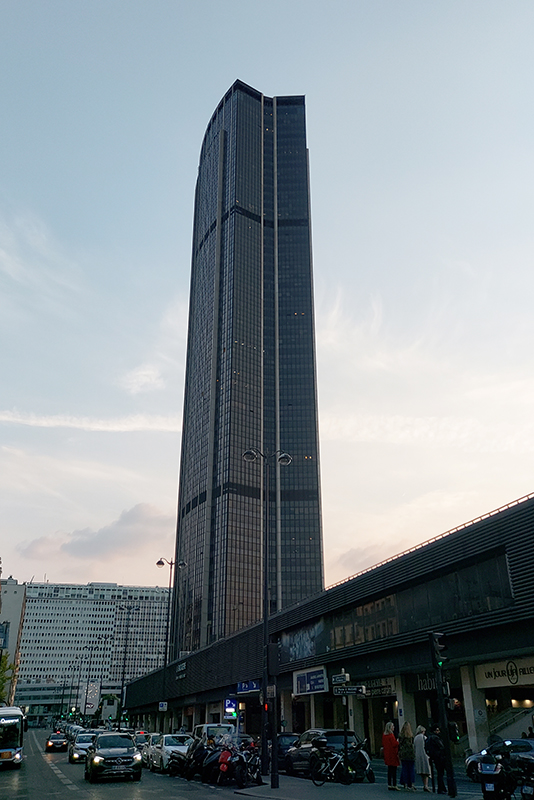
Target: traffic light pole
[[437, 659]]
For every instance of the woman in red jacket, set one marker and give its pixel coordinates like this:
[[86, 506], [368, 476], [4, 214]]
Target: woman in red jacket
[[390, 747]]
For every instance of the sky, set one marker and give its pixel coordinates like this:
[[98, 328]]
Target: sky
[[420, 127]]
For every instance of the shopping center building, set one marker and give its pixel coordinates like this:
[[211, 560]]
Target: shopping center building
[[474, 584]]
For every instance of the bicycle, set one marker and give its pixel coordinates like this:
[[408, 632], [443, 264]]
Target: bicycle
[[329, 766]]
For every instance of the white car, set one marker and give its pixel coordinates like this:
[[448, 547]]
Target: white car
[[147, 748], [162, 747]]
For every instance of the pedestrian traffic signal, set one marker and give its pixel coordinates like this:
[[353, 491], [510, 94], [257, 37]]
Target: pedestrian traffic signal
[[454, 732], [437, 645]]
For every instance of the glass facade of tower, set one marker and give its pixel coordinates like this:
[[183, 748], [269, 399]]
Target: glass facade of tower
[[250, 375]]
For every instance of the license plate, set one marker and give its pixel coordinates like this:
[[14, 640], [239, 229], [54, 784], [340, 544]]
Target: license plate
[[118, 766], [489, 787], [6, 755], [527, 790]]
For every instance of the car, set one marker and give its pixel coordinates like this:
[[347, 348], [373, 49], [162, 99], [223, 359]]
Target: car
[[146, 748], [56, 741], [79, 747], [518, 748], [140, 739], [113, 755], [297, 759], [285, 741], [164, 745]]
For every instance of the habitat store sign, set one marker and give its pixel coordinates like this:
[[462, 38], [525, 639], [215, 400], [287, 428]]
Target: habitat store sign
[[310, 681], [514, 672]]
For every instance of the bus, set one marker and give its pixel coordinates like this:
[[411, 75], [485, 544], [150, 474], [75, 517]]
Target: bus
[[13, 725]]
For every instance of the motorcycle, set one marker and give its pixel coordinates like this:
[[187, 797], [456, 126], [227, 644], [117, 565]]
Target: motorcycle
[[360, 762], [498, 777], [195, 756], [526, 782], [177, 763]]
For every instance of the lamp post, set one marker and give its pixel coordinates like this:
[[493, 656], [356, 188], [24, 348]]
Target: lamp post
[[161, 563], [79, 682], [284, 459], [128, 610], [89, 647], [103, 638]]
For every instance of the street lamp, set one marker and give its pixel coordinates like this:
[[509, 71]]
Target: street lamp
[[161, 563], [284, 459], [104, 638], [128, 610], [89, 647]]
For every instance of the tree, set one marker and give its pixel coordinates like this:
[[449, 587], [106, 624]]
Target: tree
[[6, 673]]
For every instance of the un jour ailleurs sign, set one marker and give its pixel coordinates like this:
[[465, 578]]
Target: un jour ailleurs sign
[[513, 672]]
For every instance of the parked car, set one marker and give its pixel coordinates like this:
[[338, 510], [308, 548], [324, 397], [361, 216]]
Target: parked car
[[285, 741], [113, 755], [516, 748], [146, 748], [164, 745], [79, 747], [297, 759], [56, 741]]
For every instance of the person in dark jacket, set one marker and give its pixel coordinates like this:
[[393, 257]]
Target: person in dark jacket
[[407, 757], [436, 752], [390, 748]]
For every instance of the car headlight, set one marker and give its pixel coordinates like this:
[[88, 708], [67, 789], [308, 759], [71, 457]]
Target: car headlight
[[17, 757], [97, 759], [75, 755], [137, 757]]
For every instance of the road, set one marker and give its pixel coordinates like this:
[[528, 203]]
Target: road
[[49, 775]]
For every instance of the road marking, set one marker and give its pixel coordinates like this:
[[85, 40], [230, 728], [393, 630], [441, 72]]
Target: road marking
[[59, 774]]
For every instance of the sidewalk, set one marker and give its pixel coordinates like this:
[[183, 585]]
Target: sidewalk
[[303, 789]]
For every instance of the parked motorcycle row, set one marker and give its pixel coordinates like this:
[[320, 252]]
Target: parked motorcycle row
[[502, 774], [218, 761]]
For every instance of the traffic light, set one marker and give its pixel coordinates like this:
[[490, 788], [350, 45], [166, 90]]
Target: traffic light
[[437, 645], [454, 732]]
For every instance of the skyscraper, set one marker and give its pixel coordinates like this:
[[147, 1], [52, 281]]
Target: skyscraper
[[250, 375]]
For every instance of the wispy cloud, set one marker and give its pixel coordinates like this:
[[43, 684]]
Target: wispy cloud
[[133, 422], [146, 378], [32, 259], [166, 361]]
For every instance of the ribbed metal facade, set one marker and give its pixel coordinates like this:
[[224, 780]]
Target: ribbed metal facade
[[489, 617]]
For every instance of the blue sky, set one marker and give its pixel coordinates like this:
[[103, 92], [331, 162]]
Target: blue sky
[[420, 129]]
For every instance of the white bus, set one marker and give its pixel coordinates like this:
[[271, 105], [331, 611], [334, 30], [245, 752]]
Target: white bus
[[13, 725]]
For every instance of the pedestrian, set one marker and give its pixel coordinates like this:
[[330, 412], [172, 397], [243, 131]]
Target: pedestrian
[[436, 752], [407, 757], [422, 764], [530, 732], [390, 749]]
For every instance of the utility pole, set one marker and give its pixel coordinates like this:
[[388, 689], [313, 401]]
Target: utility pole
[[437, 645]]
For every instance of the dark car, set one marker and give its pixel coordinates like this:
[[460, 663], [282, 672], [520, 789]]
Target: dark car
[[297, 760], [517, 748], [56, 741], [285, 741], [113, 755]]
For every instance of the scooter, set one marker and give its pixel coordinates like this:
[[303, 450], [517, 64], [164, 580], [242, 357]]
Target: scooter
[[497, 777], [360, 762], [526, 764]]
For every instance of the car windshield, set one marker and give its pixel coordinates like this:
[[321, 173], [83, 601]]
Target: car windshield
[[84, 738], [56, 737], [114, 741], [175, 741], [337, 737]]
